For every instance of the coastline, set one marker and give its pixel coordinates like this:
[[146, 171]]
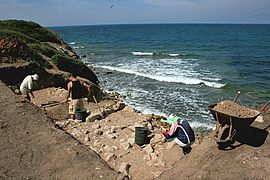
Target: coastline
[[113, 139], [41, 142]]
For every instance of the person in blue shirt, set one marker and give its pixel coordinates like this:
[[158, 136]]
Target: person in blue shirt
[[180, 133]]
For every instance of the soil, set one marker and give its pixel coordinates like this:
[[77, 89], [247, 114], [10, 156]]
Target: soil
[[54, 144], [231, 108], [32, 147]]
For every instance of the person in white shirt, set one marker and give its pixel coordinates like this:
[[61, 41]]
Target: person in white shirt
[[26, 87]]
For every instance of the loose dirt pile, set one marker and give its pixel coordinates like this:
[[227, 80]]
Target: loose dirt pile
[[233, 109]]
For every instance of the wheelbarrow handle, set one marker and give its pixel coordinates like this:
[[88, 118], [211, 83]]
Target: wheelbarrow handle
[[236, 96], [263, 108]]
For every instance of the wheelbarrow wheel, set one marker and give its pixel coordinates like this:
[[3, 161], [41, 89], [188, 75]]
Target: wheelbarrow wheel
[[223, 134], [223, 139]]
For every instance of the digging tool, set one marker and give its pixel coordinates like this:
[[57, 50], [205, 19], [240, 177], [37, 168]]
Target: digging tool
[[49, 104], [101, 114]]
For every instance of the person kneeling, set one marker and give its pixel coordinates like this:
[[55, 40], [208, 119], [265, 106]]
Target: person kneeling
[[180, 133]]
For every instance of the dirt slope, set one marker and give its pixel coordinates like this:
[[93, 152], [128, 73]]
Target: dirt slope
[[31, 147], [248, 158]]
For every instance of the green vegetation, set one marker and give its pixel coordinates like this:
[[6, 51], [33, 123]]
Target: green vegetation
[[44, 49], [75, 66], [66, 63], [29, 31], [33, 43]]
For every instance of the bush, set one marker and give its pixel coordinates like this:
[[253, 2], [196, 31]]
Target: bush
[[13, 34], [30, 29], [75, 66], [44, 49], [66, 63]]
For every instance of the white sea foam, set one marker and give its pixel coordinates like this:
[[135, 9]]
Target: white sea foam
[[142, 53], [164, 78], [173, 55], [200, 124], [146, 110], [72, 43], [78, 47]]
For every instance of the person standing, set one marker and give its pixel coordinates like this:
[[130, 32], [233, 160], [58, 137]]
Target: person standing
[[76, 89], [26, 87]]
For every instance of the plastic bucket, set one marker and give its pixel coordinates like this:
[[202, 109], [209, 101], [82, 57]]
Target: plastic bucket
[[81, 114], [141, 135]]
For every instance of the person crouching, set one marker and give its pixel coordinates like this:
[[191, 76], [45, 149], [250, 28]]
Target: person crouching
[[180, 133]]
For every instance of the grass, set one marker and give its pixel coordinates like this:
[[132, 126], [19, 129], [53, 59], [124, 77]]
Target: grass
[[28, 31]]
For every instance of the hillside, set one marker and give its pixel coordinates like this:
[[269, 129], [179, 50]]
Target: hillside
[[32, 147], [27, 48]]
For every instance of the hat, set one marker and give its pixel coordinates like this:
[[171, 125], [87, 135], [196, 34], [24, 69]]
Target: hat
[[172, 118], [35, 77]]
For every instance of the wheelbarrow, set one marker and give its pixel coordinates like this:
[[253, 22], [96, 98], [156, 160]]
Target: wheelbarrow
[[230, 116]]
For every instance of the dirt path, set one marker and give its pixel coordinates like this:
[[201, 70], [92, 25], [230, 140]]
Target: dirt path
[[31, 147]]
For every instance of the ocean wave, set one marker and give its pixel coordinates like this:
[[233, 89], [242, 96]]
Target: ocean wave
[[146, 110], [174, 55], [142, 53], [78, 47], [135, 53], [176, 79]]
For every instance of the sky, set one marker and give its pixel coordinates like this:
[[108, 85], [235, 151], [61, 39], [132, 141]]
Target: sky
[[94, 12]]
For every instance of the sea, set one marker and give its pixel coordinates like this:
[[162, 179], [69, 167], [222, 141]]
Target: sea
[[177, 68]]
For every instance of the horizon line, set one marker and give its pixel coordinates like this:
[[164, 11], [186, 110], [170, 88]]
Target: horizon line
[[112, 24]]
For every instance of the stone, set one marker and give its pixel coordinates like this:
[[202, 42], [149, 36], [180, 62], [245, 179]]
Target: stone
[[149, 126], [129, 109], [154, 156], [148, 149], [124, 168], [113, 129], [147, 157], [157, 138], [259, 119], [115, 148], [125, 145], [97, 143], [121, 140], [96, 126], [86, 138], [131, 141], [108, 148], [111, 136], [120, 105], [108, 111], [98, 132], [93, 116], [110, 156]]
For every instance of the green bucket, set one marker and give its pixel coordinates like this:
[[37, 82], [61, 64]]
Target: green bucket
[[141, 134]]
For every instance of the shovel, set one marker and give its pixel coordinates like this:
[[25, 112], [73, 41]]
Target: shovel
[[49, 104], [101, 114]]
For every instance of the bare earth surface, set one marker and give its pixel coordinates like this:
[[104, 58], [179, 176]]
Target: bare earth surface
[[113, 139], [31, 147]]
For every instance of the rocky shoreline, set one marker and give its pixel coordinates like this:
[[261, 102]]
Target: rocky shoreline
[[40, 142]]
